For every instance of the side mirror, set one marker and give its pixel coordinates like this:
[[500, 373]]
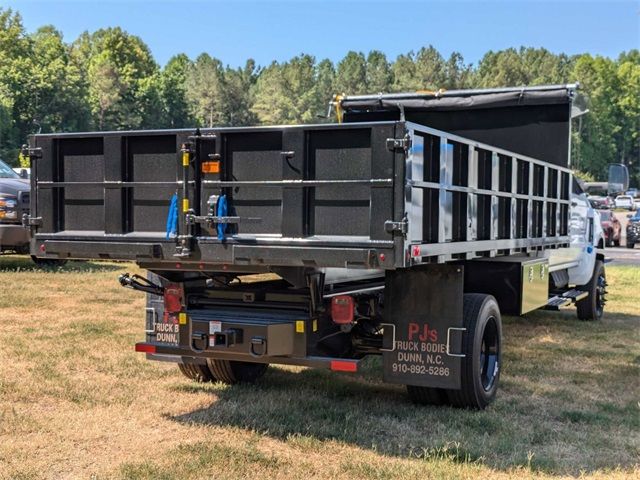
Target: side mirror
[[24, 173]]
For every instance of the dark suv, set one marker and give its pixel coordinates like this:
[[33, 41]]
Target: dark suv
[[633, 229], [14, 202]]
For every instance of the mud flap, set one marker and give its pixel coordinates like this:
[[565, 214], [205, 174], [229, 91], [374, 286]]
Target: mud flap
[[425, 305]]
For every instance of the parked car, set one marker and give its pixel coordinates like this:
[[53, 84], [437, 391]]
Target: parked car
[[14, 202], [22, 172], [612, 228], [633, 229], [624, 201], [600, 202]]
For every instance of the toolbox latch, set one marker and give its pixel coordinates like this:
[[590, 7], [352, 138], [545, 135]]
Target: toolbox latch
[[396, 227], [29, 221], [394, 144]]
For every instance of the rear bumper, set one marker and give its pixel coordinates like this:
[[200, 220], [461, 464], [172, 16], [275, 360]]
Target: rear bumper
[[165, 353], [13, 236]]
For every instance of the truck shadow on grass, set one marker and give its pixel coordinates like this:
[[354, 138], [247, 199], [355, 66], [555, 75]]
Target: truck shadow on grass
[[21, 263], [310, 407]]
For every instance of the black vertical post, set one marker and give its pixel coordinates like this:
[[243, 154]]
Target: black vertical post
[[294, 217], [114, 196]]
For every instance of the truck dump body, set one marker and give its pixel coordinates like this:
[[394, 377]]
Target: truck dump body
[[387, 236], [373, 195]]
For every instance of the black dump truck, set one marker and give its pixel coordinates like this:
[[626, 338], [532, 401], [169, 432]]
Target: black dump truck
[[405, 229]]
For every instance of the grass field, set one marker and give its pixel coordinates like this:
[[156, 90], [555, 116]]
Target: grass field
[[77, 402]]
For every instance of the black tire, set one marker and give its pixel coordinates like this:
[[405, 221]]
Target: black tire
[[591, 308], [47, 262], [231, 372], [426, 395], [196, 372], [630, 244], [482, 346], [609, 239], [616, 243]]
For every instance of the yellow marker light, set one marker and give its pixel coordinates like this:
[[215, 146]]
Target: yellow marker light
[[315, 325], [185, 205], [299, 326], [185, 159], [210, 167], [182, 318]]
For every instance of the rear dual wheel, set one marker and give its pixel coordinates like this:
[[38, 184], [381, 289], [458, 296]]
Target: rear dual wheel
[[225, 371], [480, 368]]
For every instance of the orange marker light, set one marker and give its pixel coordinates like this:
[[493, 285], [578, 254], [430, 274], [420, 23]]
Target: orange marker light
[[210, 167]]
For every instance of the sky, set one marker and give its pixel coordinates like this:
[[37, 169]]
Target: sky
[[234, 31]]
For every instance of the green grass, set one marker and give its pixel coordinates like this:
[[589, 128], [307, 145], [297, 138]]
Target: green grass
[[76, 401]]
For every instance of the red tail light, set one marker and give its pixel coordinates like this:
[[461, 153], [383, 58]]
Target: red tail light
[[173, 298], [145, 348], [342, 309], [344, 366]]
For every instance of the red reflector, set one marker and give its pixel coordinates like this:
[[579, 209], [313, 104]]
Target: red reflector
[[415, 251], [344, 366], [145, 347], [172, 299], [342, 309]]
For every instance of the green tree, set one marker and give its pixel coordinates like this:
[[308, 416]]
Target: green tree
[[378, 72], [58, 102], [15, 85], [458, 75], [431, 69], [404, 73], [286, 93], [628, 103], [204, 91], [525, 66], [351, 74], [595, 136], [325, 80], [425, 70], [117, 67], [173, 92], [40, 88], [238, 89]]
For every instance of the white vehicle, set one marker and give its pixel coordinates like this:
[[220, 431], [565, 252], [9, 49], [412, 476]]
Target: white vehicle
[[624, 201], [23, 172]]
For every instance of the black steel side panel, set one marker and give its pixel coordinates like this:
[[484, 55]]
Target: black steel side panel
[[423, 303]]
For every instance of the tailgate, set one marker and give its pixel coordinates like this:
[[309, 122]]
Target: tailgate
[[322, 193]]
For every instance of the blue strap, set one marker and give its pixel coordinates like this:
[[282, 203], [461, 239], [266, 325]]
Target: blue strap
[[221, 211], [172, 216]]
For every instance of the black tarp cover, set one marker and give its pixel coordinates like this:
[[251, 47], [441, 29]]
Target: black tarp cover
[[528, 121]]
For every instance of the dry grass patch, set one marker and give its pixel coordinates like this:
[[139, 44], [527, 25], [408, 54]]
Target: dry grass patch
[[76, 401]]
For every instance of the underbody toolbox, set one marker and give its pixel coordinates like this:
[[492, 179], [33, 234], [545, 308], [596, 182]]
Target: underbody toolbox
[[519, 284], [258, 334]]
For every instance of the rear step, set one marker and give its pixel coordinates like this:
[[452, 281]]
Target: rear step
[[567, 299]]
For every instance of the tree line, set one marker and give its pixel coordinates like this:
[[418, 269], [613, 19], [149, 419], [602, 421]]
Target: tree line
[[109, 80]]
